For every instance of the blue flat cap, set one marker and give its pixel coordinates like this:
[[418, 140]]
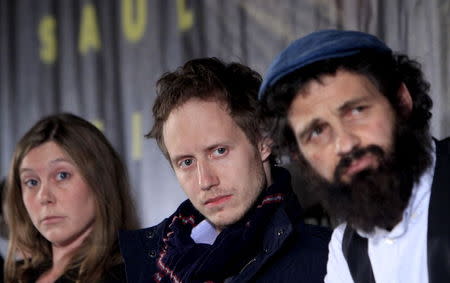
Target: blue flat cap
[[317, 46]]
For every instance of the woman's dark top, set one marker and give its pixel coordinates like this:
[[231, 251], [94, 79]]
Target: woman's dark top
[[115, 274]]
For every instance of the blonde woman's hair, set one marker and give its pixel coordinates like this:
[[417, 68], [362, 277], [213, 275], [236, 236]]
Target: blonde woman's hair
[[105, 174]]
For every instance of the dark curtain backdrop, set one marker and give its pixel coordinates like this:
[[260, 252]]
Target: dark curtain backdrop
[[100, 59]]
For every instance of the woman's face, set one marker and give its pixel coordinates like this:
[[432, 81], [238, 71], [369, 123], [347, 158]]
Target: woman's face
[[59, 202]]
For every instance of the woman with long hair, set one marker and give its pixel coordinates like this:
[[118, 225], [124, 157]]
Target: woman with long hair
[[67, 196]]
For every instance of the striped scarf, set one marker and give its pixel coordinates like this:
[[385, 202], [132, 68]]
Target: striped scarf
[[183, 260]]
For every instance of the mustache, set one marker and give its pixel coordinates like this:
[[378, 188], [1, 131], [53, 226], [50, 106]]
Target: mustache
[[355, 154]]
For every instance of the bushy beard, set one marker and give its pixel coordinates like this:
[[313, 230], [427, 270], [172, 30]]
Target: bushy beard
[[375, 197]]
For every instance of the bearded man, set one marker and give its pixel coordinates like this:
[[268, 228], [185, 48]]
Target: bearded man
[[356, 117]]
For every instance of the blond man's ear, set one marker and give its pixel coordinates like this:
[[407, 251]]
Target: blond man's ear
[[265, 148]]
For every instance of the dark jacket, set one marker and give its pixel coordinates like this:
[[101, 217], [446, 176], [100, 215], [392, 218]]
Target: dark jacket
[[293, 251]]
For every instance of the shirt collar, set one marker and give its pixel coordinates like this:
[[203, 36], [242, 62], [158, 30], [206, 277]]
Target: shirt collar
[[204, 233]]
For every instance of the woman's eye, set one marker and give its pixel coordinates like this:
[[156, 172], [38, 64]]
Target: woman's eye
[[31, 183], [62, 176]]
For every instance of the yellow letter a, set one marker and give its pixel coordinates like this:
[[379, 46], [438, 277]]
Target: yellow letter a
[[89, 35]]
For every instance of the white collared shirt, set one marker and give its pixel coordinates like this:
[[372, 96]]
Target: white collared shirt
[[398, 256]]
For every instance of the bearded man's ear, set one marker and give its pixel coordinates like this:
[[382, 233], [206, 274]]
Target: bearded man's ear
[[405, 99]]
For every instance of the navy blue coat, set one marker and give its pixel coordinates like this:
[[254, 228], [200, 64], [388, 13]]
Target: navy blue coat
[[293, 251]]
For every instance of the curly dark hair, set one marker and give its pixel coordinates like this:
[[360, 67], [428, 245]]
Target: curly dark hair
[[386, 71], [233, 84]]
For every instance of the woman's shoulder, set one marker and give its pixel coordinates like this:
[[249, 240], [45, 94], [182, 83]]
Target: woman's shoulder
[[115, 274], [29, 273]]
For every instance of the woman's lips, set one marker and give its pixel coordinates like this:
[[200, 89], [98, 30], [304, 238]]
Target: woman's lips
[[51, 220]]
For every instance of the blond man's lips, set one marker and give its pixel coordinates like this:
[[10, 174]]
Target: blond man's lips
[[217, 200]]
